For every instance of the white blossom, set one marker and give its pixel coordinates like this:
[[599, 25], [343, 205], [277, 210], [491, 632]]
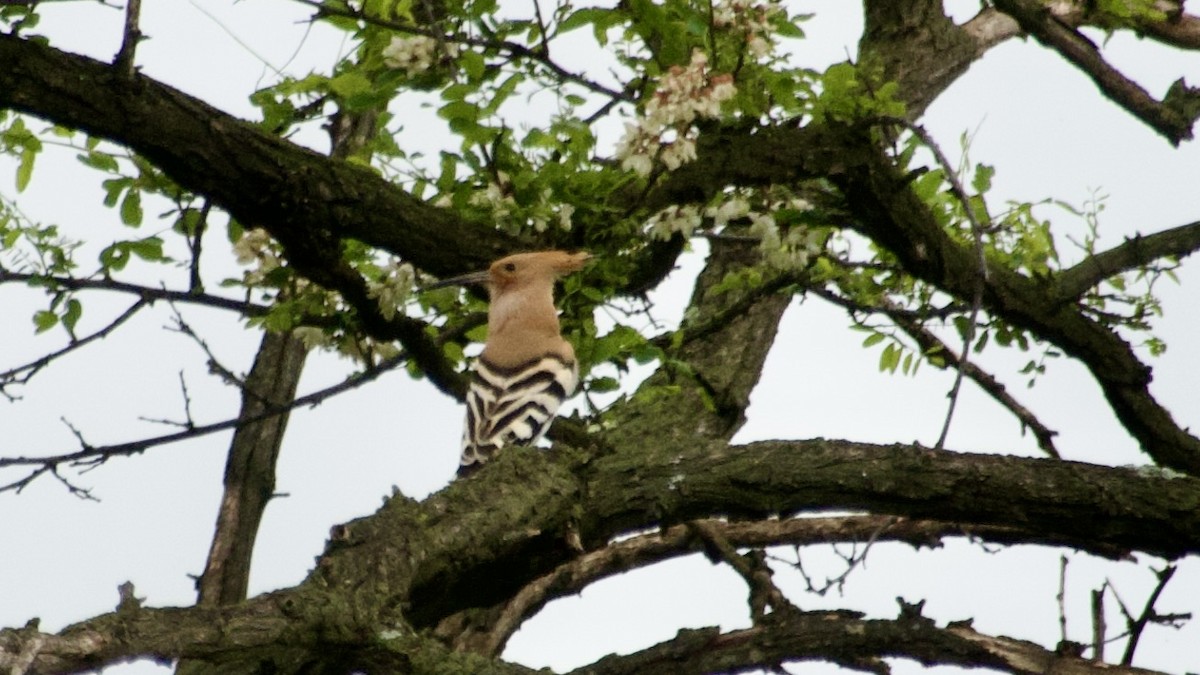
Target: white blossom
[[674, 219], [729, 209], [751, 19], [565, 211], [256, 247], [311, 337], [667, 130], [416, 53], [394, 290]]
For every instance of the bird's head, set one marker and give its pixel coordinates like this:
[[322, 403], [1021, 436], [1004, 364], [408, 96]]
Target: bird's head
[[544, 267], [522, 270]]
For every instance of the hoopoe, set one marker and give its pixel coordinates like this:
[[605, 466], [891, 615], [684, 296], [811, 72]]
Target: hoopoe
[[526, 369]]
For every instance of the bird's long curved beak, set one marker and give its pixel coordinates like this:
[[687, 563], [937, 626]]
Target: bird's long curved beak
[[470, 279]]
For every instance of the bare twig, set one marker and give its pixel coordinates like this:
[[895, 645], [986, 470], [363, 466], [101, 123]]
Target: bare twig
[[90, 456], [23, 373], [752, 567], [188, 422], [981, 277], [148, 293], [124, 60], [1148, 614], [512, 48], [214, 365], [1098, 625], [1062, 599], [930, 344]]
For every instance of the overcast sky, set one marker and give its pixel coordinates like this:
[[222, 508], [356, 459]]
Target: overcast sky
[[1040, 122]]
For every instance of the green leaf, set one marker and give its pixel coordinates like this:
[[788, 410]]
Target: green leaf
[[583, 17], [601, 385], [131, 208], [114, 258], [25, 168], [473, 65], [100, 160], [873, 339], [350, 84], [886, 358], [982, 182], [113, 187], [150, 249], [456, 110], [502, 93], [71, 316], [44, 319]]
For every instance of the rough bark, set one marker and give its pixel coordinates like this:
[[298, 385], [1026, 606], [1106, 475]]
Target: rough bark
[[385, 580], [411, 563], [250, 469]]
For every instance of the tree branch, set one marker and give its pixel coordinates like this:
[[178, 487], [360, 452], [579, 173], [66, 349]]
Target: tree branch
[[1148, 614], [300, 636], [147, 293], [1172, 117], [1096, 509], [89, 455], [23, 373], [889, 212], [751, 567], [990, 27], [130, 39], [845, 638], [1178, 242]]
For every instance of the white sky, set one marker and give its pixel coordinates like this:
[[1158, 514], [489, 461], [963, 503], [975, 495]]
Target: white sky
[[1041, 123]]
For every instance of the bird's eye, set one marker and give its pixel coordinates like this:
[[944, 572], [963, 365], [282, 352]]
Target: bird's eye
[[510, 267]]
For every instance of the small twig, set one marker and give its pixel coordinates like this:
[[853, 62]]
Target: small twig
[[187, 401], [147, 293], [543, 38], [512, 48], [1148, 614], [853, 561], [1098, 625], [188, 422], [931, 344], [196, 244], [910, 322], [1062, 599], [23, 373], [752, 567], [90, 456], [214, 365], [124, 60], [981, 278]]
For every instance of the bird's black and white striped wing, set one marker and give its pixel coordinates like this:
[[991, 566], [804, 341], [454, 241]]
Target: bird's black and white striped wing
[[513, 406]]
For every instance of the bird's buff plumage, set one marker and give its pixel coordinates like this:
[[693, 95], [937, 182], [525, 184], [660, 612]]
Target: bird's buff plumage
[[526, 369]]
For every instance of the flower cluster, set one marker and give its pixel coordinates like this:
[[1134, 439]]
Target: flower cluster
[[256, 246], [752, 19], [667, 132], [416, 53], [784, 250], [394, 289], [682, 219], [498, 199]]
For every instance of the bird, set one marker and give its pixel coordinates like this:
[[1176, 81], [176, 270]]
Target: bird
[[526, 369]]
